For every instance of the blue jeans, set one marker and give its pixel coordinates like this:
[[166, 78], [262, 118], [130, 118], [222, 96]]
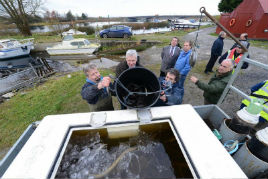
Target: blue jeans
[[181, 83]]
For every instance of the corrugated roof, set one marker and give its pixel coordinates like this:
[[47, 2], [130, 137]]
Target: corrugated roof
[[264, 5]]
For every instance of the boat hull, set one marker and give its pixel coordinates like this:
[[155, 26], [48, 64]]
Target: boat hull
[[15, 52], [70, 51], [17, 62]]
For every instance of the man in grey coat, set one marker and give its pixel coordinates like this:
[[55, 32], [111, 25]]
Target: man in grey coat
[[169, 56]]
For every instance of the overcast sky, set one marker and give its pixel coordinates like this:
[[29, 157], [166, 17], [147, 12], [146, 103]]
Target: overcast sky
[[115, 8]]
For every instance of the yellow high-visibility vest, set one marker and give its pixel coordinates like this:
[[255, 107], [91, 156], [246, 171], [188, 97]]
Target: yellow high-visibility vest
[[263, 91]]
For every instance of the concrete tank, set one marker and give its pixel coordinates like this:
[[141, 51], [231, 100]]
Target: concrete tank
[[44, 151]]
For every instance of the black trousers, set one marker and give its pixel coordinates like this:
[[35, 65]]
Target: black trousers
[[211, 62]]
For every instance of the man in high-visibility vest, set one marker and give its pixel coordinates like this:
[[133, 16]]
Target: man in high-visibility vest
[[259, 90], [236, 54]]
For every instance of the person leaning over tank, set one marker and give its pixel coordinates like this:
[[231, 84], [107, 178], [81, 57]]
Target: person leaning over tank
[[95, 90], [172, 96], [216, 85], [132, 60]]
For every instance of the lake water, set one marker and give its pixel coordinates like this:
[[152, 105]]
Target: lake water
[[50, 28]]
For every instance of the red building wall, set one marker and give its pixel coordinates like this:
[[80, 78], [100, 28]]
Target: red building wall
[[254, 11]]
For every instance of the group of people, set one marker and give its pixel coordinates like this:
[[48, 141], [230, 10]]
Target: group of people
[[174, 69]]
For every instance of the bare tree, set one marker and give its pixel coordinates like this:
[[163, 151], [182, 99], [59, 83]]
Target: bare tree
[[18, 10]]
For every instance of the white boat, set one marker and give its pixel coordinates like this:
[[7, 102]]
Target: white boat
[[71, 46], [10, 48], [73, 32]]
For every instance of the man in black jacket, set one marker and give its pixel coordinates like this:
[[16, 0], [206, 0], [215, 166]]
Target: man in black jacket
[[95, 90], [130, 62], [216, 51]]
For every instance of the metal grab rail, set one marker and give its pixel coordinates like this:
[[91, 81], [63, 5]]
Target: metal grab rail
[[203, 10], [238, 68], [236, 72]]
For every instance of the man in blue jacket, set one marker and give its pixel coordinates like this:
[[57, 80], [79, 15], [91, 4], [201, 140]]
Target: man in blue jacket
[[216, 51], [172, 94], [95, 90], [183, 63]]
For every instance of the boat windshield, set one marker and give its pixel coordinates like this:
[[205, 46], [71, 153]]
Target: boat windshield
[[9, 43], [86, 42], [68, 37]]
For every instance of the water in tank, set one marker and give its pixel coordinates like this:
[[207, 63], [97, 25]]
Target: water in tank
[[153, 152]]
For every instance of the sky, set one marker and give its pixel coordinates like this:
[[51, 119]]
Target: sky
[[122, 8]]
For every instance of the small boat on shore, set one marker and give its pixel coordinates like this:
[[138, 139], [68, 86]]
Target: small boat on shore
[[71, 46], [10, 48], [73, 32]]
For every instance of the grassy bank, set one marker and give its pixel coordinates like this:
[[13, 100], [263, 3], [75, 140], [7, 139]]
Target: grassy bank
[[164, 38], [56, 96], [45, 37], [121, 49]]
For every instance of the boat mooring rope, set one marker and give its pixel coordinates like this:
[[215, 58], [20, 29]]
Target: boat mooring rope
[[106, 172]]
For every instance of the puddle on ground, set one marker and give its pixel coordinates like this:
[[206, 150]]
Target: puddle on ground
[[104, 63]]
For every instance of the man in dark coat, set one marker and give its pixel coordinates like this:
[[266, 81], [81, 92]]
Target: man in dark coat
[[169, 56], [130, 62], [216, 51], [95, 90], [216, 85]]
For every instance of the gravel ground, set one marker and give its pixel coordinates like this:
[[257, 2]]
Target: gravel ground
[[244, 81]]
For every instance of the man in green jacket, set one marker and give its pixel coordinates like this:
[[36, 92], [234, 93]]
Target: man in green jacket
[[216, 85]]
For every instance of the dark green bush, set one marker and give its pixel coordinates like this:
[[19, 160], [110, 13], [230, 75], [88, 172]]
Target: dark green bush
[[89, 30]]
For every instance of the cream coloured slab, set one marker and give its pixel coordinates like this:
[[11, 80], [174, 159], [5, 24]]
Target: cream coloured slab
[[210, 159]]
